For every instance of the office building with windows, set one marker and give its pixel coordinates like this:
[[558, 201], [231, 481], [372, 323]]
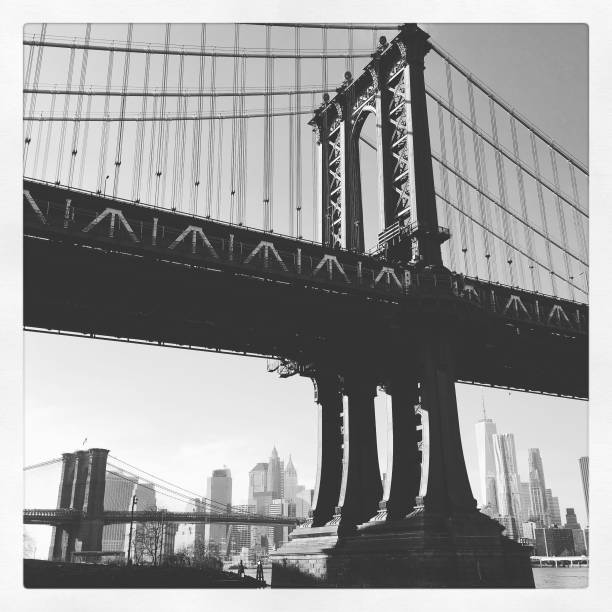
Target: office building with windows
[[485, 429]]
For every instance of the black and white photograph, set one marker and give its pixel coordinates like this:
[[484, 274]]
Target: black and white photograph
[[305, 305]]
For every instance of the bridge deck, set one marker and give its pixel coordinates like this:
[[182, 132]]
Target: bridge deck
[[61, 516], [100, 266]]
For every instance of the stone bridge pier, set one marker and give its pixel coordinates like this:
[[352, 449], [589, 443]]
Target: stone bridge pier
[[82, 486], [422, 529]]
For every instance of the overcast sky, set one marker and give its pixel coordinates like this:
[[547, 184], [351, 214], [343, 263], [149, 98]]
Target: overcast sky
[[180, 414]]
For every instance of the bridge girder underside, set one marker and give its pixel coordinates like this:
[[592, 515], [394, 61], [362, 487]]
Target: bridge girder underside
[[74, 288]]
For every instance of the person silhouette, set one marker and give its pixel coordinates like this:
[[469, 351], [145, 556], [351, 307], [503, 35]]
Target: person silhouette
[[259, 575], [241, 569]]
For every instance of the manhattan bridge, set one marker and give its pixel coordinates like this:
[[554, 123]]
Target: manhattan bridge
[[347, 200]]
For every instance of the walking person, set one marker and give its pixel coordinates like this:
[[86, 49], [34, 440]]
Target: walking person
[[241, 569], [259, 575]]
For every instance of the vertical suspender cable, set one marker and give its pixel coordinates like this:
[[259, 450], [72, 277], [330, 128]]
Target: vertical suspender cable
[[105, 124], [473, 269], [163, 127], [272, 145], [164, 161], [210, 169], [298, 137], [481, 177], [79, 106], [350, 62], [219, 167], [234, 121], [140, 131], [536, 163], [324, 59], [511, 255], [152, 171], [459, 184], [445, 188], [561, 216], [28, 127], [28, 70], [178, 173], [579, 224], [291, 165], [266, 137], [126, 74], [196, 159], [38, 141], [84, 145], [48, 140], [535, 271], [245, 132], [62, 138]]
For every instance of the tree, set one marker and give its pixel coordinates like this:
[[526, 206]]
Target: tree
[[204, 556], [148, 542]]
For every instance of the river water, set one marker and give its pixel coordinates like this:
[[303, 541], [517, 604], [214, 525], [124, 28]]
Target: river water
[[544, 577], [561, 577]]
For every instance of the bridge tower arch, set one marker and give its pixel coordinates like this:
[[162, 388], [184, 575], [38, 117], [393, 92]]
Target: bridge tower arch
[[392, 86]]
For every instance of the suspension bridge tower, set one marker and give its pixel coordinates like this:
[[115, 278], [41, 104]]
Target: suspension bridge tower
[[423, 528]]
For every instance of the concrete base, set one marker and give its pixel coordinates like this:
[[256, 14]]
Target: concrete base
[[422, 550]]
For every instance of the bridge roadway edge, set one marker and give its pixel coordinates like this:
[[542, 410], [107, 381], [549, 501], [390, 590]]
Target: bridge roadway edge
[[92, 291]]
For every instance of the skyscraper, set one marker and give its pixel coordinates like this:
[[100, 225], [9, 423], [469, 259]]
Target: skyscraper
[[525, 502], [117, 496], [240, 535], [258, 482], [291, 481], [485, 429], [274, 475], [539, 512], [219, 493], [571, 522], [553, 508], [507, 479], [584, 474]]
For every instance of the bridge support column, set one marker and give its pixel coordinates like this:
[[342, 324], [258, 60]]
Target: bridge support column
[[329, 452], [403, 477], [447, 487], [60, 535], [360, 489], [92, 502]]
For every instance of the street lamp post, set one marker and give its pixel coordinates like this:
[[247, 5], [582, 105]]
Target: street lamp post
[[134, 501], [106, 179]]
